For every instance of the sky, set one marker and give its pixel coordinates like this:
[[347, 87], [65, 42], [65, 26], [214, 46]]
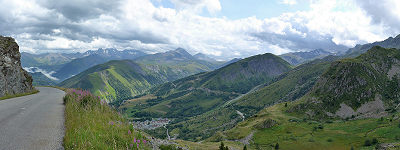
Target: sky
[[221, 29]]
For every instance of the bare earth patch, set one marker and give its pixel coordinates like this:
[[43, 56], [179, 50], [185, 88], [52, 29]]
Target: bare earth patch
[[369, 109]]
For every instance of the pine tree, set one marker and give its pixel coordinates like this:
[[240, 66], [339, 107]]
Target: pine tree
[[277, 146], [222, 147], [245, 147]]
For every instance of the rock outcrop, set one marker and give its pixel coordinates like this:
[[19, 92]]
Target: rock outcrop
[[13, 78]]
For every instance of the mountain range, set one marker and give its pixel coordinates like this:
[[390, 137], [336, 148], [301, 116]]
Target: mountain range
[[119, 80], [296, 58], [198, 121], [180, 57], [360, 49], [197, 94], [60, 66], [338, 110]]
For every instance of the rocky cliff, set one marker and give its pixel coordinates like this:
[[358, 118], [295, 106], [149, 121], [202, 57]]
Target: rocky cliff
[[13, 79]]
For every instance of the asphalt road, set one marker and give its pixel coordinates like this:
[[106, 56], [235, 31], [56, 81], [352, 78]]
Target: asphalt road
[[33, 122]]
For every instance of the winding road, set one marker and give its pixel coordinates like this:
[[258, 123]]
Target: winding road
[[34, 121]]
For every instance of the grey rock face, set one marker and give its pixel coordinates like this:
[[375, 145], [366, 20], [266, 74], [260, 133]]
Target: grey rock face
[[13, 79]]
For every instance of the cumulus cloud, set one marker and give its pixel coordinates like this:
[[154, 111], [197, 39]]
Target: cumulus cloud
[[77, 26], [384, 13]]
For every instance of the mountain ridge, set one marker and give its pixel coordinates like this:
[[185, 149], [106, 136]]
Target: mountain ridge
[[387, 43], [296, 58], [118, 80]]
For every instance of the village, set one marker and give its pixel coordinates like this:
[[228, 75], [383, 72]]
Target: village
[[150, 125]]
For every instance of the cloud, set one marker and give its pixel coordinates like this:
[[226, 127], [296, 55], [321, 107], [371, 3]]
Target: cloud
[[287, 2], [77, 26], [44, 72], [383, 13], [196, 5]]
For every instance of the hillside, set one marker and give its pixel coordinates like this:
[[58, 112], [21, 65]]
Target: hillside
[[118, 80], [363, 86], [78, 65], [274, 125], [287, 87], [297, 58], [205, 92], [360, 49], [39, 79]]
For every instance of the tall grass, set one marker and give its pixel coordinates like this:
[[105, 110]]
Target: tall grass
[[8, 96], [91, 124]]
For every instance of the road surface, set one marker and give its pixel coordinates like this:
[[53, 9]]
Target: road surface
[[33, 122]]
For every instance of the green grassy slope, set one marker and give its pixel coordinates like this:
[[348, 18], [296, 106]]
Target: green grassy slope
[[122, 79], [287, 87], [40, 79]]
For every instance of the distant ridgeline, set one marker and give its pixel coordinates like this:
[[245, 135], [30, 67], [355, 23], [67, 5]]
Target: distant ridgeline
[[13, 79]]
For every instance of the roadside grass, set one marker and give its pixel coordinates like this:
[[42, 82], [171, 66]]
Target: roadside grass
[[294, 133], [8, 96], [91, 124]]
